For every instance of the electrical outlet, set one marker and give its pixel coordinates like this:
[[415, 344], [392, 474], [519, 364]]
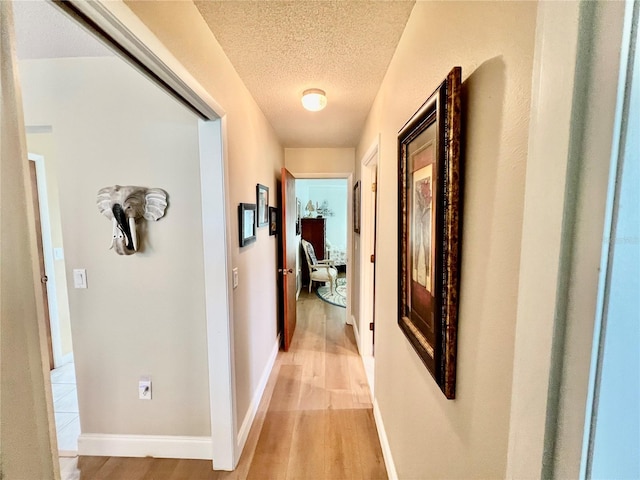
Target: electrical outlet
[[144, 388]]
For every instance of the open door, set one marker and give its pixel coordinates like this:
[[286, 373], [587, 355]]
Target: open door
[[288, 250], [43, 276]]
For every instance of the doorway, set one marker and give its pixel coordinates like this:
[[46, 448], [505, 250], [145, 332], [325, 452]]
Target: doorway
[[326, 222], [53, 275], [115, 344]]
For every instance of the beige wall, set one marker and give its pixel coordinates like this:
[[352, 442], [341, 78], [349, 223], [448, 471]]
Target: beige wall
[[429, 436], [254, 156], [142, 314], [44, 144], [319, 160]]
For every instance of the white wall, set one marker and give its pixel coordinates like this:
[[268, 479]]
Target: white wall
[[429, 436], [303, 161], [141, 314]]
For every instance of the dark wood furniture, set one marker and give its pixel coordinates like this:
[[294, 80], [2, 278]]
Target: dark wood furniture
[[313, 231]]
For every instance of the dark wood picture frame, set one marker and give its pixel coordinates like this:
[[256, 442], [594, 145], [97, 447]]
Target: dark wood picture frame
[[247, 223], [356, 207], [429, 204], [262, 201], [273, 221]]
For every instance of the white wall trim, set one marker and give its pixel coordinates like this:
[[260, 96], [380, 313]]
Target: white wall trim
[[158, 446], [369, 160], [356, 333], [68, 358], [243, 433], [217, 294], [384, 443]]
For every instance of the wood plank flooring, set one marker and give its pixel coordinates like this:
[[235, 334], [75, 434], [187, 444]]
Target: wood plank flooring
[[315, 420]]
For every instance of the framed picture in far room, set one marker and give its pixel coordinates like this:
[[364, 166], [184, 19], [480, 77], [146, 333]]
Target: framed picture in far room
[[247, 223], [262, 200], [273, 220], [429, 205]]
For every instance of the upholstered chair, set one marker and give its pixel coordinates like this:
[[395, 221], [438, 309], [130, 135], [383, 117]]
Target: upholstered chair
[[319, 270]]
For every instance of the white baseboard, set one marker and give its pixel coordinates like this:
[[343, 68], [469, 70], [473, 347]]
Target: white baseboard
[[243, 433], [384, 443], [356, 333], [159, 446]]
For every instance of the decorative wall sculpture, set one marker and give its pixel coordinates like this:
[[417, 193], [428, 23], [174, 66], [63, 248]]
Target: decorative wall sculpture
[[125, 206]]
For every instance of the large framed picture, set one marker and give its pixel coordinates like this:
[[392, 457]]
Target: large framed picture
[[262, 200], [247, 223], [429, 202]]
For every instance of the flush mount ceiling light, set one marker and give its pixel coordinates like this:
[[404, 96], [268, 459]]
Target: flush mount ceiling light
[[314, 99]]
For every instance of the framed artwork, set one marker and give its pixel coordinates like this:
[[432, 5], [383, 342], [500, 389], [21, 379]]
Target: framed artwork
[[356, 207], [429, 202], [247, 223], [273, 220], [262, 200]]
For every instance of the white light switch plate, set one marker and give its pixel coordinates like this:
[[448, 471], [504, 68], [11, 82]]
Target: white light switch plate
[[144, 388], [79, 278], [235, 277]]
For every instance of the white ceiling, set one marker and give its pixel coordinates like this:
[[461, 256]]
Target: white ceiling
[[280, 48], [43, 31]]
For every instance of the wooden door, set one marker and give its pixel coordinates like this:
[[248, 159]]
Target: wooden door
[[289, 247], [374, 190], [43, 275]]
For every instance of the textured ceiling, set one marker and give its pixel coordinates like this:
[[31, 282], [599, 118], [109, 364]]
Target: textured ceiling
[[43, 31], [281, 48]]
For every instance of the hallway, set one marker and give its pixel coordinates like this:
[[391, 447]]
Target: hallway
[[315, 420]]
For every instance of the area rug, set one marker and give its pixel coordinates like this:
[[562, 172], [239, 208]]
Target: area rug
[[338, 297]]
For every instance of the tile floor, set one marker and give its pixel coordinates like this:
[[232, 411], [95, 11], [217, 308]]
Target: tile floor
[[65, 406]]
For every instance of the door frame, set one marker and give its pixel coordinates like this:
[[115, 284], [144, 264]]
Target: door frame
[[571, 133], [368, 165], [348, 176], [117, 25]]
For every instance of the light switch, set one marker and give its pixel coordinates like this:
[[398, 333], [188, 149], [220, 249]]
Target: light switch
[[235, 277], [79, 278]]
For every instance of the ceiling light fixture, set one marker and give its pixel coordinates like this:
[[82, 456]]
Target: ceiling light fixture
[[314, 99]]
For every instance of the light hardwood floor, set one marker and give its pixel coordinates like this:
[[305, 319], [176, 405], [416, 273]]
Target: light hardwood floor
[[315, 420]]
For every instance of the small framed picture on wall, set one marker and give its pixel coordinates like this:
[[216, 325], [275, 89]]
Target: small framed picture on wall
[[262, 200]]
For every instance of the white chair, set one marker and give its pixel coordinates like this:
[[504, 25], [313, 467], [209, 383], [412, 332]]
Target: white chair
[[319, 270]]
